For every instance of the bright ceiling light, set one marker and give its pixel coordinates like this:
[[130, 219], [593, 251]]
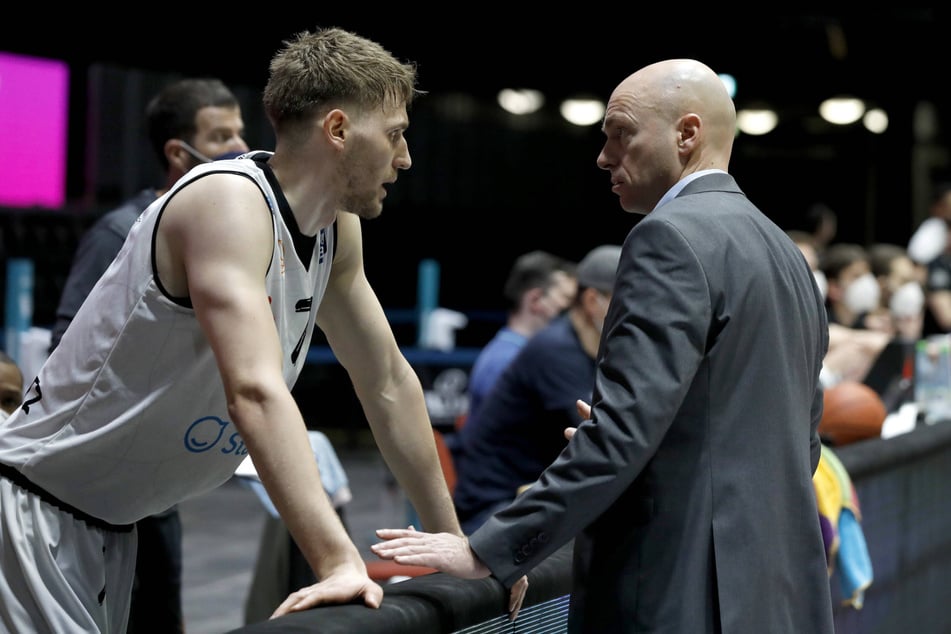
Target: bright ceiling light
[[520, 101], [875, 120], [842, 110], [756, 121], [582, 111]]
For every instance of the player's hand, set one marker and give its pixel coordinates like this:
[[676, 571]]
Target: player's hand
[[341, 587]]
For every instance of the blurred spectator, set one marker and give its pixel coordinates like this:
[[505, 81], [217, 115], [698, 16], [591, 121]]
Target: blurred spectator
[[853, 291], [519, 430], [539, 287], [900, 312], [823, 224], [852, 350], [807, 244], [930, 246], [188, 121], [930, 239]]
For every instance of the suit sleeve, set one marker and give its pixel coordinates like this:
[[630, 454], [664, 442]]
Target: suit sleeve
[[653, 343]]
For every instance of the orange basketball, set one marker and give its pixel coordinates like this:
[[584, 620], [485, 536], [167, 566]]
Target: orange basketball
[[851, 411]]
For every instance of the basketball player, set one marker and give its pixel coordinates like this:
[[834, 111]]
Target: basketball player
[[187, 121], [181, 361]]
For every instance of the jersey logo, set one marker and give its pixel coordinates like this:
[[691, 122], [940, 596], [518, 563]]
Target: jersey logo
[[209, 432], [322, 247], [204, 433], [39, 394]]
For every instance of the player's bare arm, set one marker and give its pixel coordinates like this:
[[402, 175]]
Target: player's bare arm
[[388, 388], [216, 239]]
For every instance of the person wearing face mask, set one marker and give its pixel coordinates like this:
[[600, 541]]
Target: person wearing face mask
[[188, 121], [519, 429], [853, 291], [853, 295], [851, 350], [901, 307]]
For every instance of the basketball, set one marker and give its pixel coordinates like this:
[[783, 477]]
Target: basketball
[[851, 411]]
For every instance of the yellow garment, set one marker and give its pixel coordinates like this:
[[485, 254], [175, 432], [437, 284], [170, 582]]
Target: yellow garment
[[838, 504]]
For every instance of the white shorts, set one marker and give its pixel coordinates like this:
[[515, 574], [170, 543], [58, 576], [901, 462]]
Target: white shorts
[[59, 573]]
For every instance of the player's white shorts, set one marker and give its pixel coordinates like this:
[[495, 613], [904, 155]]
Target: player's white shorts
[[58, 573]]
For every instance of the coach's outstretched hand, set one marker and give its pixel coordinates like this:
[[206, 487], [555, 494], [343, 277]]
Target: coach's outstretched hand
[[445, 552], [340, 587], [584, 410]]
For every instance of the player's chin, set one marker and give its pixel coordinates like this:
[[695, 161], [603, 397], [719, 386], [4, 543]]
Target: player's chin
[[369, 210]]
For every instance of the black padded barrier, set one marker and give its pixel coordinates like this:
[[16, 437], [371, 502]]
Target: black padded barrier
[[904, 489], [438, 603], [903, 486]]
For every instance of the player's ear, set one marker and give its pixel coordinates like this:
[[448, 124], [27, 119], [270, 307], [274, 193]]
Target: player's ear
[[336, 126]]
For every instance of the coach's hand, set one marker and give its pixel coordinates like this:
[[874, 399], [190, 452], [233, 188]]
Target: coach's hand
[[517, 596], [584, 410], [445, 552], [339, 587]]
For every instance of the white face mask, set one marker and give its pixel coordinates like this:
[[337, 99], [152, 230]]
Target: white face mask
[[908, 300], [863, 294], [3, 415], [822, 283]]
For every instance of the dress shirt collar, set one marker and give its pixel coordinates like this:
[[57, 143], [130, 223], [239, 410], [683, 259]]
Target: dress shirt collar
[[679, 185]]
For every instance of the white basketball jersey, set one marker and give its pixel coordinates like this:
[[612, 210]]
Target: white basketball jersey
[[128, 415]]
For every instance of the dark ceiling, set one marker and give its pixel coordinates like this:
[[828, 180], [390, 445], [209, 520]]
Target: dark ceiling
[[793, 57], [470, 183]]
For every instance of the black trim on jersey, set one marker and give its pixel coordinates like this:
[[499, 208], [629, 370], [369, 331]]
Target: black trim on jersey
[[17, 478], [183, 301], [303, 245]]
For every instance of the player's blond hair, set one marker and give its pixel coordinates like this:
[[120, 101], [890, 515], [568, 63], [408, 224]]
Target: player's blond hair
[[318, 70]]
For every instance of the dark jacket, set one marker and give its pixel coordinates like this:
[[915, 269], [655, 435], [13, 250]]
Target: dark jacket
[[690, 492]]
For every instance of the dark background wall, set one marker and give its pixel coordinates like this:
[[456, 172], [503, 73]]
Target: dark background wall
[[485, 187]]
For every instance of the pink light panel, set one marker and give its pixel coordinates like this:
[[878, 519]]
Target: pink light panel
[[34, 114]]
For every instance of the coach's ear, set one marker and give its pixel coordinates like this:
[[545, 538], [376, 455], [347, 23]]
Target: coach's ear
[[688, 132]]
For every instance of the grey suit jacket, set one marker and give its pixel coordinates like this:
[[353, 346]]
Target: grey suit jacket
[[690, 491]]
